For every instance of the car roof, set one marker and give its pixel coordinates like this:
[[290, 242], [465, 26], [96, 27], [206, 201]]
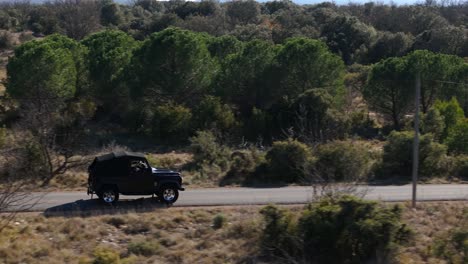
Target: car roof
[[119, 154]]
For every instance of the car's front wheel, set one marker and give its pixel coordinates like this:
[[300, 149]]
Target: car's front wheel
[[109, 195], [168, 194]]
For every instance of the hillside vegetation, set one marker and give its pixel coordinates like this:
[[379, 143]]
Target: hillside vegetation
[[270, 93], [222, 235]]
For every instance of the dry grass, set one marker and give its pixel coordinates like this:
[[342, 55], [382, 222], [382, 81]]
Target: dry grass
[[70, 181], [167, 235], [183, 235], [429, 221], [173, 160]]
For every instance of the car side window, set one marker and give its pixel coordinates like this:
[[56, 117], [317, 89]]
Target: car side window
[[138, 166]]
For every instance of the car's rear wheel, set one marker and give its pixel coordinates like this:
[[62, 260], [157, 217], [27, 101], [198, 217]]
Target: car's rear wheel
[[109, 195], [169, 194]]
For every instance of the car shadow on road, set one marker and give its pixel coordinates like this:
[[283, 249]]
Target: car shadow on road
[[94, 207]]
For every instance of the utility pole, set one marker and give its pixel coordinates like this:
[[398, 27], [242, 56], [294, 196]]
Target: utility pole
[[416, 138]]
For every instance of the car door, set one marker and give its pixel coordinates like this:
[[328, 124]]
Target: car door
[[141, 178], [114, 172]]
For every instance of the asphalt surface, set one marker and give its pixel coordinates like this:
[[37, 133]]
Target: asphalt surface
[[79, 201]]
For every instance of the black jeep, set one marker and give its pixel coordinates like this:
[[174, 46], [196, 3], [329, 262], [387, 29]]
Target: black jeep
[[130, 174]]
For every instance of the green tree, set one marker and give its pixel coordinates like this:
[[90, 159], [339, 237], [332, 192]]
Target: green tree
[[110, 53], [211, 113], [222, 47], [347, 36], [46, 78], [311, 115], [389, 45], [302, 64], [174, 64], [390, 85], [53, 67], [111, 15], [78, 18], [388, 89], [243, 11], [448, 39], [251, 32], [242, 76], [437, 71], [452, 115]]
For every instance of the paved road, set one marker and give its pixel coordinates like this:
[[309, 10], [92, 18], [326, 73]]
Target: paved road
[[255, 196]]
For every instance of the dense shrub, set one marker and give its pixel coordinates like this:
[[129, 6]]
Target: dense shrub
[[279, 234], [144, 248], [171, 121], [243, 166], [207, 150], [344, 161], [452, 114], [350, 230], [433, 122], [104, 255], [398, 151], [457, 138], [211, 113], [218, 221], [287, 161], [336, 230], [459, 166]]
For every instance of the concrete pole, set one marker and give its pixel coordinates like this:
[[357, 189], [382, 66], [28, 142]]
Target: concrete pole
[[416, 138]]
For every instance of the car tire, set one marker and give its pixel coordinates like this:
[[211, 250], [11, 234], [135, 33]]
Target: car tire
[[168, 194], [109, 195]]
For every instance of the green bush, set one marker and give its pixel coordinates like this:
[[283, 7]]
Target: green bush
[[287, 161], [452, 114], [279, 236], [104, 255], [344, 161], [459, 166], [207, 150], [433, 122], [398, 155], [218, 221], [171, 121], [350, 230], [457, 139], [211, 113], [243, 166], [144, 248], [335, 230]]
